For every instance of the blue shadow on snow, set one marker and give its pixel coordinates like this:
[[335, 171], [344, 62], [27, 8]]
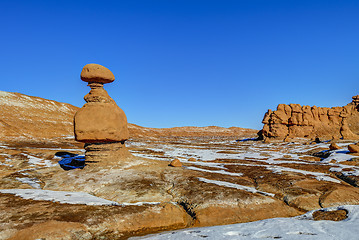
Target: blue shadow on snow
[[71, 161]]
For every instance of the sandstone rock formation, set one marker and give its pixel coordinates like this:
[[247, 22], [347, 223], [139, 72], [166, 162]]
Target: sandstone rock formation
[[39, 121], [293, 121], [230, 182], [353, 148], [336, 215], [334, 146], [100, 123], [33, 119], [175, 163]]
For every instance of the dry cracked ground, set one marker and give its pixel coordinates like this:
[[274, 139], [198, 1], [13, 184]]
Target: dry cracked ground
[[222, 181]]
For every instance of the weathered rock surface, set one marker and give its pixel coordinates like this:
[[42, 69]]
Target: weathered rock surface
[[353, 148], [54, 230], [34, 120], [334, 146], [38, 121], [100, 123], [100, 119], [29, 219], [112, 152], [96, 73], [229, 182], [296, 121], [175, 163], [337, 215]]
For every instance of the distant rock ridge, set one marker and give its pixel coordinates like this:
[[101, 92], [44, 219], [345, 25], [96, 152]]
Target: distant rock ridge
[[296, 121], [26, 118]]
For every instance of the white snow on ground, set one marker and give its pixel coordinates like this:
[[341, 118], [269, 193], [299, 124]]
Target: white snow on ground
[[67, 197], [146, 156], [135, 144], [215, 171], [233, 185], [139, 203], [339, 168], [4, 146], [33, 182], [68, 136], [59, 196], [5, 94], [318, 175], [296, 228], [256, 152], [38, 161], [23, 101], [5, 164], [339, 156], [63, 149]]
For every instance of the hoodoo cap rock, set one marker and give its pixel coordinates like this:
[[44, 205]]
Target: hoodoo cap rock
[[95, 73]]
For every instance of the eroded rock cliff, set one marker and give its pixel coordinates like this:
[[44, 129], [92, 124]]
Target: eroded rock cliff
[[296, 121]]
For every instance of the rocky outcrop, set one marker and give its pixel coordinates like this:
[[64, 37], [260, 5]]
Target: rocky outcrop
[[175, 163], [334, 146], [100, 123], [353, 148], [33, 120], [296, 121], [229, 182]]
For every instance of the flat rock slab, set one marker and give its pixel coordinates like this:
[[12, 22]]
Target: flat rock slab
[[230, 182], [110, 222]]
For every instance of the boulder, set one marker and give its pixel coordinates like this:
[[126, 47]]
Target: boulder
[[353, 148], [175, 163], [336, 215], [96, 73], [334, 146]]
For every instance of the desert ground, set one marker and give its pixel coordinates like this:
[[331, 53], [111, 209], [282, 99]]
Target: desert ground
[[226, 177]]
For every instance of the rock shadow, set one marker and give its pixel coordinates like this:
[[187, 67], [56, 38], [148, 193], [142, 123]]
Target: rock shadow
[[71, 161]]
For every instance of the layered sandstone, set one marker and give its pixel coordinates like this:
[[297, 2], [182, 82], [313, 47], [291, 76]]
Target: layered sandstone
[[100, 119], [221, 181], [100, 123], [33, 120], [296, 121], [30, 119]]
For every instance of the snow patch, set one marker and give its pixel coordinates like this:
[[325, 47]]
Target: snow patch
[[296, 228], [38, 161], [59, 196], [33, 182], [215, 171], [236, 186], [318, 175], [66, 197]]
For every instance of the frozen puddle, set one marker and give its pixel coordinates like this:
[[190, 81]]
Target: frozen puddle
[[296, 228]]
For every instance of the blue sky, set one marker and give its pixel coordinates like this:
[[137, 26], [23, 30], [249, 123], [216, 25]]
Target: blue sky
[[185, 63]]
